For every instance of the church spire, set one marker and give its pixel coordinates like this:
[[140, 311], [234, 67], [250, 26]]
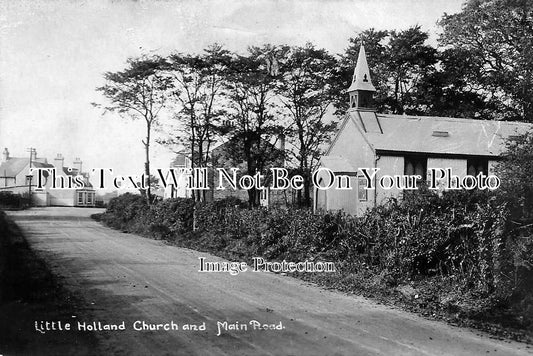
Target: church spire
[[361, 89]]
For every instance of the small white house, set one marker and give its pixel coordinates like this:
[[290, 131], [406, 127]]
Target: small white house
[[179, 163], [403, 145]]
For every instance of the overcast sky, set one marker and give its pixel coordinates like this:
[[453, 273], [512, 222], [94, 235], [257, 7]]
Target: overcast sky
[[53, 55]]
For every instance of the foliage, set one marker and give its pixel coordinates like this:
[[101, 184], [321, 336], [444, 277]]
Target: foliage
[[252, 109], [463, 237], [493, 41], [515, 172], [169, 217], [400, 62], [130, 212], [154, 185], [123, 210], [11, 200], [197, 85], [476, 243], [139, 92], [306, 88], [481, 68]]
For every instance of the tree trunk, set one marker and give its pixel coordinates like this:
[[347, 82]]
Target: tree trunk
[[299, 197], [193, 141], [147, 164], [307, 188], [252, 200], [201, 194]]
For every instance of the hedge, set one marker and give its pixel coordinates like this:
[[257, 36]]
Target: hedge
[[9, 200], [465, 235]]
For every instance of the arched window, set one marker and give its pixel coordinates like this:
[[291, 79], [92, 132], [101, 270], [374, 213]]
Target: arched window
[[415, 165], [475, 166], [409, 169]]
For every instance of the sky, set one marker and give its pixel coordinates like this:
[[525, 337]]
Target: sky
[[53, 55]]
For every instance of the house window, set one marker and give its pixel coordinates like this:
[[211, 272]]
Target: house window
[[80, 198], [415, 165], [89, 198], [477, 166], [362, 192]]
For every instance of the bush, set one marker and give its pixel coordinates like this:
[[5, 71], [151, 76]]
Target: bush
[[463, 237], [175, 216], [460, 234], [124, 211], [11, 200], [163, 219]]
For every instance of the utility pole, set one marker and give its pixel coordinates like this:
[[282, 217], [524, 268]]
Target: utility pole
[[29, 177]]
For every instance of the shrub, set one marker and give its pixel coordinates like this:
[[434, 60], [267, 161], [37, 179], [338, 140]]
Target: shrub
[[11, 200], [464, 237], [124, 211], [162, 219], [175, 214]]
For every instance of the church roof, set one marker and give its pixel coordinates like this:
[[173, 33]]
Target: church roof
[[337, 164], [436, 135]]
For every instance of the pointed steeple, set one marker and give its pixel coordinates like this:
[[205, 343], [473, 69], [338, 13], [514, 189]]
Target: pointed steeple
[[361, 89], [361, 76]]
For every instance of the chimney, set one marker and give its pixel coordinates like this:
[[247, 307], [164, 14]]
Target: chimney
[[5, 155], [77, 164], [59, 162], [33, 155]]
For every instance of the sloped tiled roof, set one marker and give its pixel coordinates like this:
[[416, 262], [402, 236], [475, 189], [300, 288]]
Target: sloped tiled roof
[[14, 166], [440, 135], [178, 161], [70, 171], [337, 164]]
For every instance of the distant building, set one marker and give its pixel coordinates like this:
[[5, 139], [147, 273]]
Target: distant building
[[403, 145], [180, 162], [15, 177], [223, 156]]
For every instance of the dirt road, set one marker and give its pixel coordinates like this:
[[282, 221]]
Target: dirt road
[[126, 280]]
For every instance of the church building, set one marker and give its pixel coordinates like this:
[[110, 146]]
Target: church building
[[401, 145]]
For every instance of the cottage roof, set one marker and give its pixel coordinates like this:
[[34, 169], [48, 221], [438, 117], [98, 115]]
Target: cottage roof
[[14, 166], [74, 172], [436, 135], [179, 161], [70, 171]]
